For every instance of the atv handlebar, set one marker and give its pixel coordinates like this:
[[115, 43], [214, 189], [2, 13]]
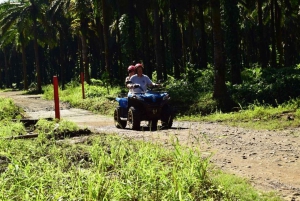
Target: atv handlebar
[[136, 85]]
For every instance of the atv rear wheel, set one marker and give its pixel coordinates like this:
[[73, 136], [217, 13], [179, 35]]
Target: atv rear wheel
[[167, 117], [118, 122], [134, 121]]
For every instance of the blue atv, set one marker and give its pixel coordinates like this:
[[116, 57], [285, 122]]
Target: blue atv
[[150, 106]]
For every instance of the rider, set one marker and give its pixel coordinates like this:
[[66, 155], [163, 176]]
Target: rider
[[139, 81], [131, 72]]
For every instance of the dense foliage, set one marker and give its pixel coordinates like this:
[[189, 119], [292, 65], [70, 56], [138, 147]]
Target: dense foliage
[[40, 38]]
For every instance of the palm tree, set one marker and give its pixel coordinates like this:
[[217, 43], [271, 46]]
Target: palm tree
[[16, 27], [79, 12], [61, 23], [26, 15]]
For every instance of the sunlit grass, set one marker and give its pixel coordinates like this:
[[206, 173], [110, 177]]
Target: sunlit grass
[[97, 99], [256, 116], [107, 167], [236, 185], [8, 109], [11, 129], [111, 168]]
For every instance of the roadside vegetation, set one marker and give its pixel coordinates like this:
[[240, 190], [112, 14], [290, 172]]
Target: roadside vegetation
[[108, 167], [267, 99]]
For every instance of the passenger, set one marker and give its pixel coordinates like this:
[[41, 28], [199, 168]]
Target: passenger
[[131, 72], [139, 82]]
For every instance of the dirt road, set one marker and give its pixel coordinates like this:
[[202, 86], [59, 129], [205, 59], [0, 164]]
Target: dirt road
[[268, 159]]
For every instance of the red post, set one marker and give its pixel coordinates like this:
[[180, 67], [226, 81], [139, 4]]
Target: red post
[[56, 97], [82, 84]]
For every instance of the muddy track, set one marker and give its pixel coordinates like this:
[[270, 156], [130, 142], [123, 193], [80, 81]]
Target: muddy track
[[268, 159]]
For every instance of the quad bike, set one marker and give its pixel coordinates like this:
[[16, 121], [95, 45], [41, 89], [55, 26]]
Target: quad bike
[[151, 106]]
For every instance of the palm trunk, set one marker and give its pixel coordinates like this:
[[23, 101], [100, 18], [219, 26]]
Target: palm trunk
[[37, 60], [203, 39], [278, 33], [131, 31], [6, 70], [105, 37], [25, 82], [231, 17], [220, 90], [62, 62], [262, 49], [273, 54], [174, 42], [85, 59], [157, 42], [145, 41]]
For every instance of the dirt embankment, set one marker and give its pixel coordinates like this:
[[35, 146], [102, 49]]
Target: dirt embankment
[[268, 159]]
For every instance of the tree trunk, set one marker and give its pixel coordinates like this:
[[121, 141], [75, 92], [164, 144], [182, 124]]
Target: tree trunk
[[157, 42], [220, 89], [105, 37], [102, 48], [191, 37], [85, 59], [6, 70], [289, 37], [262, 44], [145, 44], [278, 31], [163, 46], [273, 38], [25, 82], [174, 42], [37, 59], [232, 40], [203, 38], [131, 31]]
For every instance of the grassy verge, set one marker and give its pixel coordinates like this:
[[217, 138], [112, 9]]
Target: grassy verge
[[107, 167], [112, 168], [98, 99], [257, 116]]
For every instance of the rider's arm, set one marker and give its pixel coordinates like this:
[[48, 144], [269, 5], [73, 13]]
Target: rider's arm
[[129, 84], [151, 84]]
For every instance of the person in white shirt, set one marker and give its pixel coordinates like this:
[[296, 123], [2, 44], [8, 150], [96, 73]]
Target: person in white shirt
[[139, 82]]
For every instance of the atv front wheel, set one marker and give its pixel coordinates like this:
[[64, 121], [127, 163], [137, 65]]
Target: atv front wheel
[[134, 121], [118, 122]]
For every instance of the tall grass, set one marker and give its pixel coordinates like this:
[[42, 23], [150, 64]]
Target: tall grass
[[107, 167], [258, 116], [8, 109], [97, 98]]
